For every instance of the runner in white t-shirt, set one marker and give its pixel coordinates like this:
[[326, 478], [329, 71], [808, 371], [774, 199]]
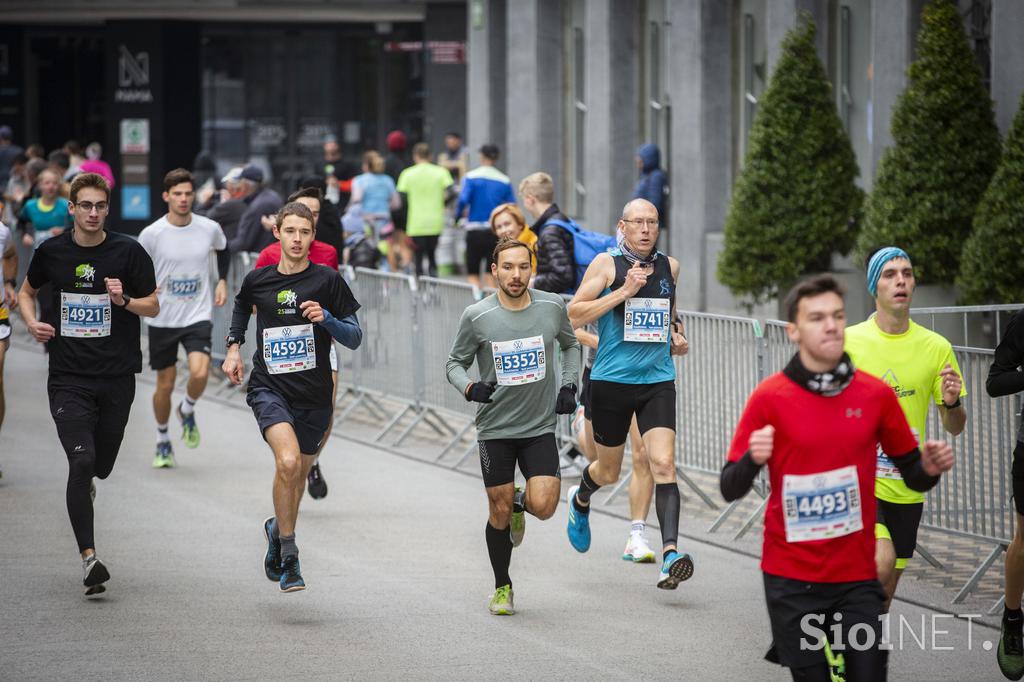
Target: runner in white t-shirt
[[9, 299], [180, 244]]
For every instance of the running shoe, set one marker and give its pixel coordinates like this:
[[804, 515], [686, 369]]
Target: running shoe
[[1010, 652], [189, 430], [517, 527], [164, 458], [315, 483], [291, 577], [94, 574], [579, 524], [675, 569], [637, 550], [501, 602], [272, 559]]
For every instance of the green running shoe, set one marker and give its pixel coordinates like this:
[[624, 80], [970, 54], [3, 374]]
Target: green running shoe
[[189, 430], [164, 458], [1010, 653], [836, 664], [501, 602], [517, 527]]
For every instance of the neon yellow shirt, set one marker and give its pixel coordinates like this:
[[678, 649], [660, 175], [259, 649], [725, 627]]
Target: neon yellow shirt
[[910, 364], [424, 185]]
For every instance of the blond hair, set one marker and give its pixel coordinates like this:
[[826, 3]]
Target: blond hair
[[539, 186], [512, 210]]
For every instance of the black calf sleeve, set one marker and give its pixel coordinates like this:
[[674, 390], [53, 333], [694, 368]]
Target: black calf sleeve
[[499, 548], [587, 487], [666, 502]]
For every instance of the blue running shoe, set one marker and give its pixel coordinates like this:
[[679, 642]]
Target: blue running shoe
[[272, 559], [675, 569], [291, 577], [579, 524]]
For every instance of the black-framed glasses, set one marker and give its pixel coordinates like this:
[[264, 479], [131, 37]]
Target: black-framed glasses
[[649, 222], [88, 206]]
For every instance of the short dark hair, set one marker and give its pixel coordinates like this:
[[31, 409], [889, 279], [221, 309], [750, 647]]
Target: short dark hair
[[59, 158], [176, 177], [317, 181], [306, 193], [507, 244], [809, 288], [452, 133], [86, 180], [294, 208], [490, 151]]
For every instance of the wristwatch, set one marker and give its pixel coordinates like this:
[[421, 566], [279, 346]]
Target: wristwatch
[[953, 406], [231, 341], [127, 299]]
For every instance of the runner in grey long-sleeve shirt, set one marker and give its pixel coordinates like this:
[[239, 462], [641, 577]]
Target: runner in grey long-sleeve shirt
[[511, 335]]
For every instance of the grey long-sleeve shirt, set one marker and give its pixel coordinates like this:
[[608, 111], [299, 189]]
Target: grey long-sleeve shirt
[[526, 409]]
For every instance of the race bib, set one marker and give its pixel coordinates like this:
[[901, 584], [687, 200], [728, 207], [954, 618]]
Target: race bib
[[183, 287], [519, 362], [84, 315], [647, 320], [289, 349], [821, 506], [884, 466]]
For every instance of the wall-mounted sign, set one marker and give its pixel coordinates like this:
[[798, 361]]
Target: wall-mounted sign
[[132, 77], [134, 135], [135, 202]]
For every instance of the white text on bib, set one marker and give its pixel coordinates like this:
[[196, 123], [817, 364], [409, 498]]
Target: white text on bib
[[84, 315], [520, 361], [821, 506], [646, 320], [289, 349]]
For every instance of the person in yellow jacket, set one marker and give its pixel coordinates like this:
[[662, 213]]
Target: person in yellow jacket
[[508, 222]]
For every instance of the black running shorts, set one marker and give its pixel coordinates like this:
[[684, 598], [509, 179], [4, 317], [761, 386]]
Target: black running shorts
[[585, 394], [270, 408], [479, 246], [797, 608], [1017, 474], [613, 405], [537, 456], [163, 343], [901, 522]]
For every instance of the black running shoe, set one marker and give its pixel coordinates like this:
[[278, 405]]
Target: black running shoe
[[291, 576], [94, 575], [1010, 653], [272, 559], [315, 483]]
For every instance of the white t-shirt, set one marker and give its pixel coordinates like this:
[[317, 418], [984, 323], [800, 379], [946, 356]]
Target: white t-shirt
[[181, 258], [5, 238]]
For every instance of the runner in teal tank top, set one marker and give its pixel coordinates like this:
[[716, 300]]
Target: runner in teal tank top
[[630, 292]]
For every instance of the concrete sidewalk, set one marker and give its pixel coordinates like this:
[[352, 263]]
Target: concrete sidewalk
[[396, 566]]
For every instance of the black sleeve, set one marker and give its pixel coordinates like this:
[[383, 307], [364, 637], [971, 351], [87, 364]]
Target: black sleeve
[[242, 310], [37, 275], [913, 473], [142, 274], [343, 301], [223, 263], [1004, 376], [556, 265], [738, 477]]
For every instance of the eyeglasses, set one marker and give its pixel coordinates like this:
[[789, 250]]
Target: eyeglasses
[[88, 206], [649, 222]]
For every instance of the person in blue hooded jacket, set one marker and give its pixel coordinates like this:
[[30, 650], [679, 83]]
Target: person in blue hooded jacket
[[651, 184]]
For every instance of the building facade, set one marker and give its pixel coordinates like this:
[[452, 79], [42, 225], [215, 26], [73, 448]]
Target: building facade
[[573, 87], [247, 81]]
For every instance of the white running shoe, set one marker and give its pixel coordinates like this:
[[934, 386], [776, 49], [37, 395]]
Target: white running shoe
[[637, 550]]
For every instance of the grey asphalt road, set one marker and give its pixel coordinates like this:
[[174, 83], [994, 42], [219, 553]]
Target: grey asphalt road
[[397, 572]]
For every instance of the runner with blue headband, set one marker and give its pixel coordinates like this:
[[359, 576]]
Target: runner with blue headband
[[920, 366]]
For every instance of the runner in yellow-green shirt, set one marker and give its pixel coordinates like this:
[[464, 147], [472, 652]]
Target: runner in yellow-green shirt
[[921, 368]]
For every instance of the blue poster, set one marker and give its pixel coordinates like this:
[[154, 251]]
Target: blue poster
[[135, 202]]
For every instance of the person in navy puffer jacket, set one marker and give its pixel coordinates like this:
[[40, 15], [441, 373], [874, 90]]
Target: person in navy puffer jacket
[[651, 184]]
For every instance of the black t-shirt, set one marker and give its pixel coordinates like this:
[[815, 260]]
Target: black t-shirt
[[94, 336], [277, 298]]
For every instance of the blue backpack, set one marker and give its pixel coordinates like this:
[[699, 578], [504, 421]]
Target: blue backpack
[[585, 246]]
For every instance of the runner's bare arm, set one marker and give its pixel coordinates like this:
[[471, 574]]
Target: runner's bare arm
[[27, 306], [586, 338], [585, 306]]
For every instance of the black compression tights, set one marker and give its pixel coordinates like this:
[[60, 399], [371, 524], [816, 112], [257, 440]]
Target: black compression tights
[[91, 452]]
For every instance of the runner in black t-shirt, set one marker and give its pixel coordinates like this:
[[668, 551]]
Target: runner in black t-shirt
[[299, 307], [102, 282]]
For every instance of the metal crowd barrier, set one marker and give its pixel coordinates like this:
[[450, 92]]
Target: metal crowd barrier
[[968, 326], [409, 325]]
